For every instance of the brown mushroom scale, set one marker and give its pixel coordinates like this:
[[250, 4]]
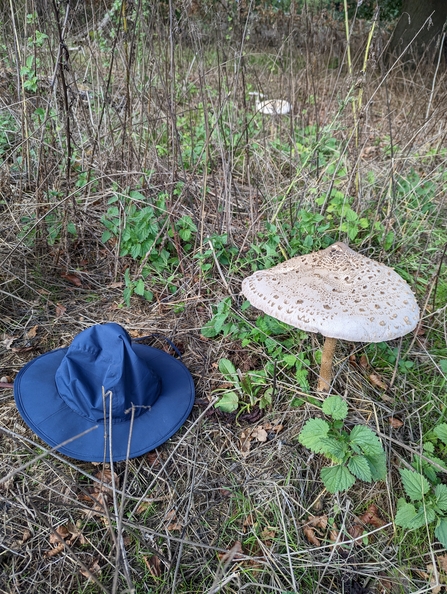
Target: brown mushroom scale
[[339, 293]]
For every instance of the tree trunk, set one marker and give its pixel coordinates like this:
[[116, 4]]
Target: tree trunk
[[420, 27]]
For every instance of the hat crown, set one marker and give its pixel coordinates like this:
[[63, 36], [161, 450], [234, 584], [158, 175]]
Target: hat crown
[[101, 360]]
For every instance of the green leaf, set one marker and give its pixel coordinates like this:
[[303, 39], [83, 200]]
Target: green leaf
[[266, 398], [441, 531], [414, 483], [228, 403], [106, 236], [333, 448], [405, 514], [228, 370], [139, 287], [377, 465], [209, 331], [335, 407], [360, 468], [337, 478], [441, 432], [218, 321], [367, 440], [441, 497], [424, 515], [311, 434]]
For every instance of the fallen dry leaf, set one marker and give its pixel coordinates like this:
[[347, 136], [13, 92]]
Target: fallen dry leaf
[[72, 278], [93, 570], [249, 521], [32, 332], [153, 563], [233, 554], [363, 362], [260, 434], [395, 423], [268, 534], [377, 381], [60, 310], [310, 534], [153, 458], [355, 531], [173, 524], [442, 562], [309, 528], [371, 516], [66, 533]]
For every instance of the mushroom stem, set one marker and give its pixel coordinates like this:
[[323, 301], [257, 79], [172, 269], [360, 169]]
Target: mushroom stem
[[327, 355]]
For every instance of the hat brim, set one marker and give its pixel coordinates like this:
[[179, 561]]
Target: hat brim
[[42, 408]]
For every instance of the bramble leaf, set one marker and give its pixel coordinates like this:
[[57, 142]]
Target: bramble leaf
[[337, 478], [312, 433], [359, 467], [414, 483], [335, 407]]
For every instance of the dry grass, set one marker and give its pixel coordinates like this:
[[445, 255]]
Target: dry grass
[[128, 110]]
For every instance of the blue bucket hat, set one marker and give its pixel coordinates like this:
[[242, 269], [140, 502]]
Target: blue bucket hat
[[148, 395]]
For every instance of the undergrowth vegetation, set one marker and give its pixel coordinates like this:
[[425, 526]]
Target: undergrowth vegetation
[[139, 184]]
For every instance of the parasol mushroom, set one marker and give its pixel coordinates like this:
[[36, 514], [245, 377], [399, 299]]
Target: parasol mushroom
[[339, 293], [272, 107]]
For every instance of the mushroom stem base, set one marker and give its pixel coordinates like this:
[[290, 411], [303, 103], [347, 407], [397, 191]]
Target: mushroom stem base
[[327, 355]]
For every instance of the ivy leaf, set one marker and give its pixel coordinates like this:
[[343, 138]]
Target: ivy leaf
[[359, 467], [228, 403], [414, 483], [367, 440], [441, 531], [335, 407], [312, 433], [441, 497], [337, 478], [441, 432]]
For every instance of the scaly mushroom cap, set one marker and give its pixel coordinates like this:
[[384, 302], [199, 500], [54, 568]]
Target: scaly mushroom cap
[[336, 292]]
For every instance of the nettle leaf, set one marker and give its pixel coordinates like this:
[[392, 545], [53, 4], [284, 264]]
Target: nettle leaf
[[441, 432], [441, 531], [405, 514], [360, 468], [335, 407], [377, 465], [334, 449], [441, 497], [337, 478], [414, 483], [139, 287], [312, 433], [228, 403], [424, 515], [367, 440]]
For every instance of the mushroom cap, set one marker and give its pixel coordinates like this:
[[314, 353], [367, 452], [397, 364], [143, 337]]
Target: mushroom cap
[[273, 107], [336, 292]]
